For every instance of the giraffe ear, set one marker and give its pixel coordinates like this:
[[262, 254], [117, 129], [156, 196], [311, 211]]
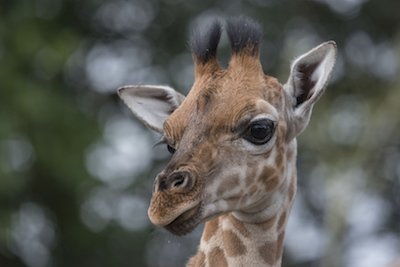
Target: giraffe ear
[[309, 76], [151, 104]]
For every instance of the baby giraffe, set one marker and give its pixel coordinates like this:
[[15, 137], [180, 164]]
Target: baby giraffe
[[233, 140]]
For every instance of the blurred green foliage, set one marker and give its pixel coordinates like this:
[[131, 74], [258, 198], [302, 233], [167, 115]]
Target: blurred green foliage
[[76, 168]]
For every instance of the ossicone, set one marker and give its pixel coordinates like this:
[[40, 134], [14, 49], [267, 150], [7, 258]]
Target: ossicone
[[244, 35], [204, 43]]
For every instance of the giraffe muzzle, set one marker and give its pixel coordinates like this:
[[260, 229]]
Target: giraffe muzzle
[[175, 200]]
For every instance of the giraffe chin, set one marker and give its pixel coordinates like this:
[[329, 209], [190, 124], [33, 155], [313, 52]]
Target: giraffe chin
[[186, 222]]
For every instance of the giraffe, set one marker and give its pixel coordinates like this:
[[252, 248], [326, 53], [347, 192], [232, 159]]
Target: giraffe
[[233, 145]]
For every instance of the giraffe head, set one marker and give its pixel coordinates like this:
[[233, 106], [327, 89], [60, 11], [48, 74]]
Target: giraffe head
[[233, 137]]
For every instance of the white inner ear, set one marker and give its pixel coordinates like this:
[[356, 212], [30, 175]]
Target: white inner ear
[[324, 57], [324, 70], [309, 76], [151, 104]]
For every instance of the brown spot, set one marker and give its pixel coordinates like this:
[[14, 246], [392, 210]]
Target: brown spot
[[292, 186], [270, 178], [268, 171], [198, 260], [250, 175], [268, 252], [233, 245], [253, 190], [217, 258], [282, 220], [272, 182], [239, 225], [201, 259], [282, 131], [228, 185], [271, 252], [210, 229], [279, 246], [280, 156], [265, 226]]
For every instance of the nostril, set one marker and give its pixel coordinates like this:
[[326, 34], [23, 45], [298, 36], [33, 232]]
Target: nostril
[[179, 182]]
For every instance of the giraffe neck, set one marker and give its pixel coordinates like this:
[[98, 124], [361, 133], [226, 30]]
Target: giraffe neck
[[248, 239]]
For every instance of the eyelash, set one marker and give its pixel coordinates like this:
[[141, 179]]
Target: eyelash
[[164, 141]]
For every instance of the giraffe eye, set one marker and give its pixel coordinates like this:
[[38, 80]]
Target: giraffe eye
[[259, 132], [171, 149]]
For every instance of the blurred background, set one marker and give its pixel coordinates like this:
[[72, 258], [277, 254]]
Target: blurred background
[[76, 168]]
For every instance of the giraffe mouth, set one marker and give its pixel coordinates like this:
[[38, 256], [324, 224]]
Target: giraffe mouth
[[186, 222]]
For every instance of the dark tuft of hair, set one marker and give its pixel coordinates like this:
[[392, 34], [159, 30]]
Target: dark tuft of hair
[[244, 32], [204, 43]]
